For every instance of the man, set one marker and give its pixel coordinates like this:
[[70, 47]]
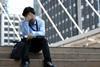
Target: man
[[33, 31]]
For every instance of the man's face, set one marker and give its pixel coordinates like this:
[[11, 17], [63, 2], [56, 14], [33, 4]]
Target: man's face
[[30, 16]]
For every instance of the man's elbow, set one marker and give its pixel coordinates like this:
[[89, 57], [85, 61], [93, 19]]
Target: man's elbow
[[43, 34]]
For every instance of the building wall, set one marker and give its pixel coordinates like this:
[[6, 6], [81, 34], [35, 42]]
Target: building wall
[[0, 1], [37, 8], [0, 28], [7, 32], [0, 21], [61, 20], [4, 4], [88, 18]]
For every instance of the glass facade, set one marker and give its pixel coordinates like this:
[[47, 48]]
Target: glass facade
[[61, 20], [37, 8], [90, 19], [64, 24]]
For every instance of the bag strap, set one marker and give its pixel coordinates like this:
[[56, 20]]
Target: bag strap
[[32, 27]]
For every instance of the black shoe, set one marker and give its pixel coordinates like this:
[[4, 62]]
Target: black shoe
[[48, 64], [25, 65]]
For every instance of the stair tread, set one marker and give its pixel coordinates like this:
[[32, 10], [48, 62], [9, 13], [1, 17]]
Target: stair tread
[[56, 59], [7, 52], [9, 47], [60, 47], [67, 57], [58, 62]]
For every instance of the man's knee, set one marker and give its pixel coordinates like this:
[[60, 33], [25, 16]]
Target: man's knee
[[45, 40]]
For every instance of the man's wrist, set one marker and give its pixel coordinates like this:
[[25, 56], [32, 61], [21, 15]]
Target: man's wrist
[[26, 36]]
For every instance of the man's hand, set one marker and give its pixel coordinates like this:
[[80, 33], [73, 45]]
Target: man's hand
[[29, 36]]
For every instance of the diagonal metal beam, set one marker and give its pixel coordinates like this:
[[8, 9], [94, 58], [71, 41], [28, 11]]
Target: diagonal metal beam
[[65, 9], [51, 21], [92, 8]]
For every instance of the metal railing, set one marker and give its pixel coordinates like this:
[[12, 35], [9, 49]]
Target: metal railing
[[97, 13], [51, 21], [69, 15], [10, 22], [93, 8], [71, 18]]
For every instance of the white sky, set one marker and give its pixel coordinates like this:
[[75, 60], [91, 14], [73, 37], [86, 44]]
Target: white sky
[[17, 6]]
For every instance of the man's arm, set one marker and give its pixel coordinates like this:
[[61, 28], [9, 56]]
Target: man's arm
[[24, 28], [41, 31]]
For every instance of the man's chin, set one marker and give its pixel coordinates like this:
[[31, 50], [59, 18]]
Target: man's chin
[[31, 20]]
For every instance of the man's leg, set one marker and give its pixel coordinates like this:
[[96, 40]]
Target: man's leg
[[25, 53], [46, 54], [37, 45], [46, 51]]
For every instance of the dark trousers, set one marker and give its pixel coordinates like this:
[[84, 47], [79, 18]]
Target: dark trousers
[[35, 45]]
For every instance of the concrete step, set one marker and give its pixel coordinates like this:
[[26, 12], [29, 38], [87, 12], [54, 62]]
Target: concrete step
[[60, 53], [58, 62], [6, 55], [63, 49], [62, 57]]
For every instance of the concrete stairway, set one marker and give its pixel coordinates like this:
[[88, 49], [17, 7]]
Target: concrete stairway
[[61, 56]]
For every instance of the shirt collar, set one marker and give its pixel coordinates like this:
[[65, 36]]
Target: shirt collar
[[33, 23]]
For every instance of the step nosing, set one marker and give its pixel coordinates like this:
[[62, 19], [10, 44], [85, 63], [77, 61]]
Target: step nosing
[[56, 59]]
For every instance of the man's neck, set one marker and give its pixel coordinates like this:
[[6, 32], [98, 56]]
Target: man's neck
[[33, 20]]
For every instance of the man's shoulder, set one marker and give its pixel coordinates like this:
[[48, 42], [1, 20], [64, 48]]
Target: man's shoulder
[[23, 22], [39, 19]]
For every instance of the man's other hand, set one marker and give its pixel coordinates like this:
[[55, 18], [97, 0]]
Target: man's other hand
[[29, 36]]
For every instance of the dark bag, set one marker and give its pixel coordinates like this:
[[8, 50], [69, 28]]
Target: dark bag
[[17, 50]]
